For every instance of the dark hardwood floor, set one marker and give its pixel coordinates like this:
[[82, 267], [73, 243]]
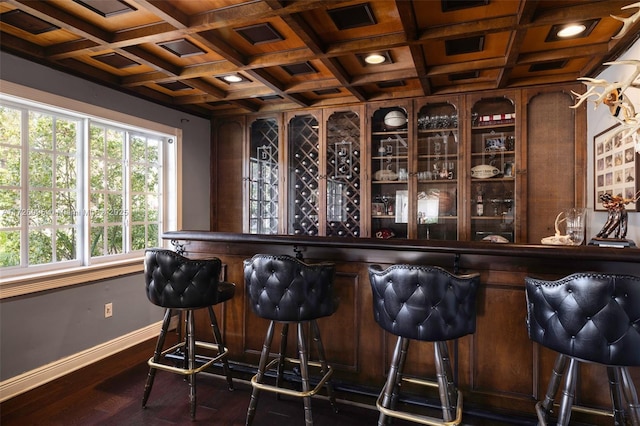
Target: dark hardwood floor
[[110, 393]]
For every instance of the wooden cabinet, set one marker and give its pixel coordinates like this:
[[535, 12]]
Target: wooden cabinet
[[389, 170], [343, 152], [262, 214], [438, 168], [324, 172], [461, 167], [492, 148]]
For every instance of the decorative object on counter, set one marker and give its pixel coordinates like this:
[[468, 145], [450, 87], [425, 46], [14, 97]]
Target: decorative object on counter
[[484, 171], [495, 239], [616, 222], [385, 233], [574, 219]]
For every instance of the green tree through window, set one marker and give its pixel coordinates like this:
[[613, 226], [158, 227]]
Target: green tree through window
[[54, 210]]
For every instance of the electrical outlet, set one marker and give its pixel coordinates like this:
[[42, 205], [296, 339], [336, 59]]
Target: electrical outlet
[[108, 310]]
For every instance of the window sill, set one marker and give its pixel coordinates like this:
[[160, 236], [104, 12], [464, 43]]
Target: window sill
[[27, 284]]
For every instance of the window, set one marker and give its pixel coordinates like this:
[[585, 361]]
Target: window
[[77, 190]]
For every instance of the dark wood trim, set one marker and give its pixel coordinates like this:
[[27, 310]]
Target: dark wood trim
[[344, 246]]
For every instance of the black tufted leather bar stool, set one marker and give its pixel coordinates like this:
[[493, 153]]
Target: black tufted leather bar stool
[[429, 304], [286, 290], [180, 284], [587, 317]]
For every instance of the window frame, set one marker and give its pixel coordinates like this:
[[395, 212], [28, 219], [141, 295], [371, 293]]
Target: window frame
[[25, 280]]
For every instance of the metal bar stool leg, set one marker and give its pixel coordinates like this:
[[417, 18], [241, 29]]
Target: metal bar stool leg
[[615, 387], [218, 336], [264, 357], [191, 344], [395, 395], [446, 388], [304, 373], [393, 379], [323, 364], [631, 396], [544, 408], [568, 393], [282, 355], [156, 356]]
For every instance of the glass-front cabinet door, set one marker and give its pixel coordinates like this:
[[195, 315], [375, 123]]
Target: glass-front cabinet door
[[343, 174], [493, 169], [263, 176], [304, 164], [389, 169], [437, 171]]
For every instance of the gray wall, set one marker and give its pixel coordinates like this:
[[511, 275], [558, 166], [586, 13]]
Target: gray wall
[[44, 327]]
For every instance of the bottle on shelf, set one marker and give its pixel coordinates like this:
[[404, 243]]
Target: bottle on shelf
[[479, 203]]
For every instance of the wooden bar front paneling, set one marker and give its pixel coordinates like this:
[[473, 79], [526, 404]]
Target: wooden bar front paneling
[[499, 368]]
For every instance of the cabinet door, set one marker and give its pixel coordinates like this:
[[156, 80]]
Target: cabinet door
[[493, 168], [556, 161], [343, 174], [389, 168], [304, 162], [263, 186], [437, 171]]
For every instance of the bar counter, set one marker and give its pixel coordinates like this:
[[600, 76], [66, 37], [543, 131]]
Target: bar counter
[[500, 371]]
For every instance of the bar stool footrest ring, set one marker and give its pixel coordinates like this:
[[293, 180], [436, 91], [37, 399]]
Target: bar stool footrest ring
[[187, 371], [417, 418], [291, 392]]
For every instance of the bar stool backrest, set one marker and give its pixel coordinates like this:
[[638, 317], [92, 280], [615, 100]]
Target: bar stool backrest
[[176, 282], [424, 302], [283, 288], [590, 316]]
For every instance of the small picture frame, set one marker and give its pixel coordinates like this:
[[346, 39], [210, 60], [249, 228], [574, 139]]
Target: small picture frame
[[616, 166]]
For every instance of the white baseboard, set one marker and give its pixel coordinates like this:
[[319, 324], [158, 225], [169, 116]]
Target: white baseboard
[[39, 376]]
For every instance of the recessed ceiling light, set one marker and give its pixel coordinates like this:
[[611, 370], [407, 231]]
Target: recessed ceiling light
[[232, 78], [571, 30], [375, 58]]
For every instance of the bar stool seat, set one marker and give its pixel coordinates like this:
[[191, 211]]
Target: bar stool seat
[[424, 303], [587, 317], [286, 290], [179, 284]]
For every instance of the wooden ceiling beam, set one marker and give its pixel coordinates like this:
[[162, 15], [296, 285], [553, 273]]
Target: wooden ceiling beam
[[17, 44], [313, 42], [142, 56], [166, 11], [408, 21], [559, 54], [268, 80], [48, 13], [199, 84], [580, 11]]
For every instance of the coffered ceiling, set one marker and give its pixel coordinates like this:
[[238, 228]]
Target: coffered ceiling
[[307, 53]]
